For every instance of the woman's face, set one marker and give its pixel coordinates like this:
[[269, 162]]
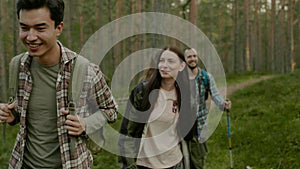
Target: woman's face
[[169, 65]]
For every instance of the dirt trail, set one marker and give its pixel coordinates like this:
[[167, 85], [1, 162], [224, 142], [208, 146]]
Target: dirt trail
[[233, 88]]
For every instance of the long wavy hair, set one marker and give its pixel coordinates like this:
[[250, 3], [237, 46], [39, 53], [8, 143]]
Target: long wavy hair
[[182, 86]]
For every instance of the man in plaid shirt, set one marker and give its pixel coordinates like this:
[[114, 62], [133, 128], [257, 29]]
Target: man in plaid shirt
[[45, 70], [198, 150]]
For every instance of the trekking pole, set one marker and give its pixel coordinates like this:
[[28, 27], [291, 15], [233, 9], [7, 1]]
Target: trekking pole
[[229, 137]]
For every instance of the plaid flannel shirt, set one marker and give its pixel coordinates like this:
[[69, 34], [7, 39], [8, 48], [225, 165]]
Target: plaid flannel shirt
[[99, 90], [202, 111]]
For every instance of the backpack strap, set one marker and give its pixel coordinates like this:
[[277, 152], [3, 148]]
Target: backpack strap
[[205, 78], [206, 83], [78, 74], [14, 66], [77, 78]]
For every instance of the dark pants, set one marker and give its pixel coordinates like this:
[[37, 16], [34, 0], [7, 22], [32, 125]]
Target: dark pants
[[197, 152]]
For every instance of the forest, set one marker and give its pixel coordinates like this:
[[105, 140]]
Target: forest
[[248, 35], [254, 37]]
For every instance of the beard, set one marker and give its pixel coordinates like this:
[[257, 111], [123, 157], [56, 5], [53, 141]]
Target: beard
[[192, 67]]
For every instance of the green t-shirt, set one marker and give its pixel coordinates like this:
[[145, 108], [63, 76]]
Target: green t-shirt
[[42, 145]]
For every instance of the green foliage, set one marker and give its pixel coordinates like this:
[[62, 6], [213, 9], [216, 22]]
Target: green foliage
[[105, 160]]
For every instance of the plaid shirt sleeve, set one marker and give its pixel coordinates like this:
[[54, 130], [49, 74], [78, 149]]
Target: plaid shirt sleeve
[[104, 107], [215, 95], [102, 94]]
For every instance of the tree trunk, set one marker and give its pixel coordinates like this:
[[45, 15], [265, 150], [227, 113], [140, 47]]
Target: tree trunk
[[138, 41], [272, 35], [247, 33], [15, 29], [298, 57], [110, 18], [221, 43], [211, 24], [281, 39], [133, 40], [267, 61], [193, 12], [235, 37], [258, 56], [3, 74], [291, 29], [81, 23], [117, 48], [69, 20]]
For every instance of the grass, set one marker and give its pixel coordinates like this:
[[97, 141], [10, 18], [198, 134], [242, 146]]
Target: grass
[[265, 125], [236, 78], [5, 149]]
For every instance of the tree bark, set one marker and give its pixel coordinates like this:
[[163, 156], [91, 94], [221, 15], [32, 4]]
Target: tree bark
[[247, 33], [193, 12], [272, 36], [282, 47], [69, 16], [117, 48], [235, 37], [291, 29], [298, 58], [258, 64], [266, 36], [81, 23], [15, 29], [3, 56]]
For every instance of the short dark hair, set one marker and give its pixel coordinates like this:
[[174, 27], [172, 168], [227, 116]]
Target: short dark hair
[[56, 8]]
